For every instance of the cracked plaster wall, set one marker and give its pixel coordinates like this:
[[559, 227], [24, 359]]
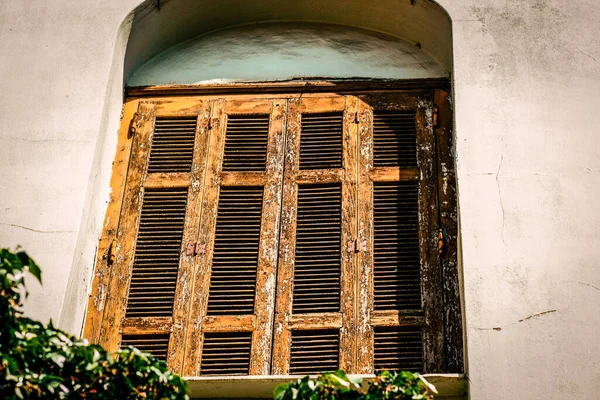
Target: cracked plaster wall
[[526, 80]]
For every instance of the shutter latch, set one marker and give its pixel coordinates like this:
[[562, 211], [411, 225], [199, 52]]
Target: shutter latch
[[357, 246], [435, 116], [360, 116], [195, 248], [210, 123]]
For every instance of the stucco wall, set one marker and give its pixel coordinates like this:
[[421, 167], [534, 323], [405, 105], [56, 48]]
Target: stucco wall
[[526, 77]]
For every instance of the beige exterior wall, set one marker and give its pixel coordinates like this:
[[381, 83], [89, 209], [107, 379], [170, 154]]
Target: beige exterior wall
[[526, 80]]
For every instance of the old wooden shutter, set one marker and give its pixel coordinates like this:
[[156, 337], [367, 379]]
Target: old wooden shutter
[[287, 235], [315, 293], [231, 325], [400, 310], [148, 295]]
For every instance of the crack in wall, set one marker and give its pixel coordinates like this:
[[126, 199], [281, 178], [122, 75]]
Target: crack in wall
[[501, 202], [499, 328], [34, 230], [585, 284]]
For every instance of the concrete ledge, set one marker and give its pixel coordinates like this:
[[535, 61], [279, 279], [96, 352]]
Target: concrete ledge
[[449, 386]]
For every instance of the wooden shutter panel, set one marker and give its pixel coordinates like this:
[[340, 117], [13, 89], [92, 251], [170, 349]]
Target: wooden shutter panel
[[230, 328], [314, 318], [400, 310], [148, 297], [157, 253]]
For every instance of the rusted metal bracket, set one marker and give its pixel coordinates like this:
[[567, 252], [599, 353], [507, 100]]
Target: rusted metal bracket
[[195, 248]]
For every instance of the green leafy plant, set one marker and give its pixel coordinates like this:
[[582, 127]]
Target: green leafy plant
[[41, 362], [387, 385]]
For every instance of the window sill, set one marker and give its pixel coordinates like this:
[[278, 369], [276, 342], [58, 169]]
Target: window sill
[[449, 386]]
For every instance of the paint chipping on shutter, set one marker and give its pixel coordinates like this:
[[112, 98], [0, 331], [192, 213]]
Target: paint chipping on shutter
[[397, 266], [157, 345], [395, 142], [399, 348], [157, 253], [246, 143], [314, 351], [235, 257], [321, 141], [226, 353], [318, 237], [172, 144]]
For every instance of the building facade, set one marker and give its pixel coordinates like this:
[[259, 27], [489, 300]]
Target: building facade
[[523, 77]]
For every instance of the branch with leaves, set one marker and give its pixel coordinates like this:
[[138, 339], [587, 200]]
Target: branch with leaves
[[41, 362]]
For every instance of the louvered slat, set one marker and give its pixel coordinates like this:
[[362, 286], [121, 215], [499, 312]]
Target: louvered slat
[[398, 348], [172, 144], [157, 345], [396, 258], [157, 253], [395, 139], [246, 143], [235, 256], [226, 353], [321, 141], [318, 239], [314, 351]]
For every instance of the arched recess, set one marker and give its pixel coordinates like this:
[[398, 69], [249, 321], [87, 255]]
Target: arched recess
[[279, 51], [417, 34], [161, 25]]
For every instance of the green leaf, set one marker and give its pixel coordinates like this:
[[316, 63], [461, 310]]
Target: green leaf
[[34, 269], [280, 390]]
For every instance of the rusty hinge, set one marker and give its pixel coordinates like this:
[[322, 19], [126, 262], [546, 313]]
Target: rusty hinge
[[435, 116], [111, 255], [442, 240], [357, 246], [135, 125], [195, 248]]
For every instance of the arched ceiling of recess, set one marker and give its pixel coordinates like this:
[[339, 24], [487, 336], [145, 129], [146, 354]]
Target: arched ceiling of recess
[[156, 30]]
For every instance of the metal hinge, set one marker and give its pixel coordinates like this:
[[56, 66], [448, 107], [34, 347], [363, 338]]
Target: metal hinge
[[135, 125], [111, 254], [195, 248], [357, 246], [442, 240], [435, 116]]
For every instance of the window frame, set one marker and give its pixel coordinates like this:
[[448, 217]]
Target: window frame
[[435, 89]]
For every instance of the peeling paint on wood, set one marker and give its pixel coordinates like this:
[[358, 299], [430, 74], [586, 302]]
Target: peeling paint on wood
[[273, 320]]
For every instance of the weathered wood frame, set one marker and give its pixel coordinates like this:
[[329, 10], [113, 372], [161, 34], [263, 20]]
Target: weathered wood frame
[[105, 320]]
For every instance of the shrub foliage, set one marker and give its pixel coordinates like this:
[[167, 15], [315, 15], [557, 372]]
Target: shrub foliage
[[387, 385], [41, 362]]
